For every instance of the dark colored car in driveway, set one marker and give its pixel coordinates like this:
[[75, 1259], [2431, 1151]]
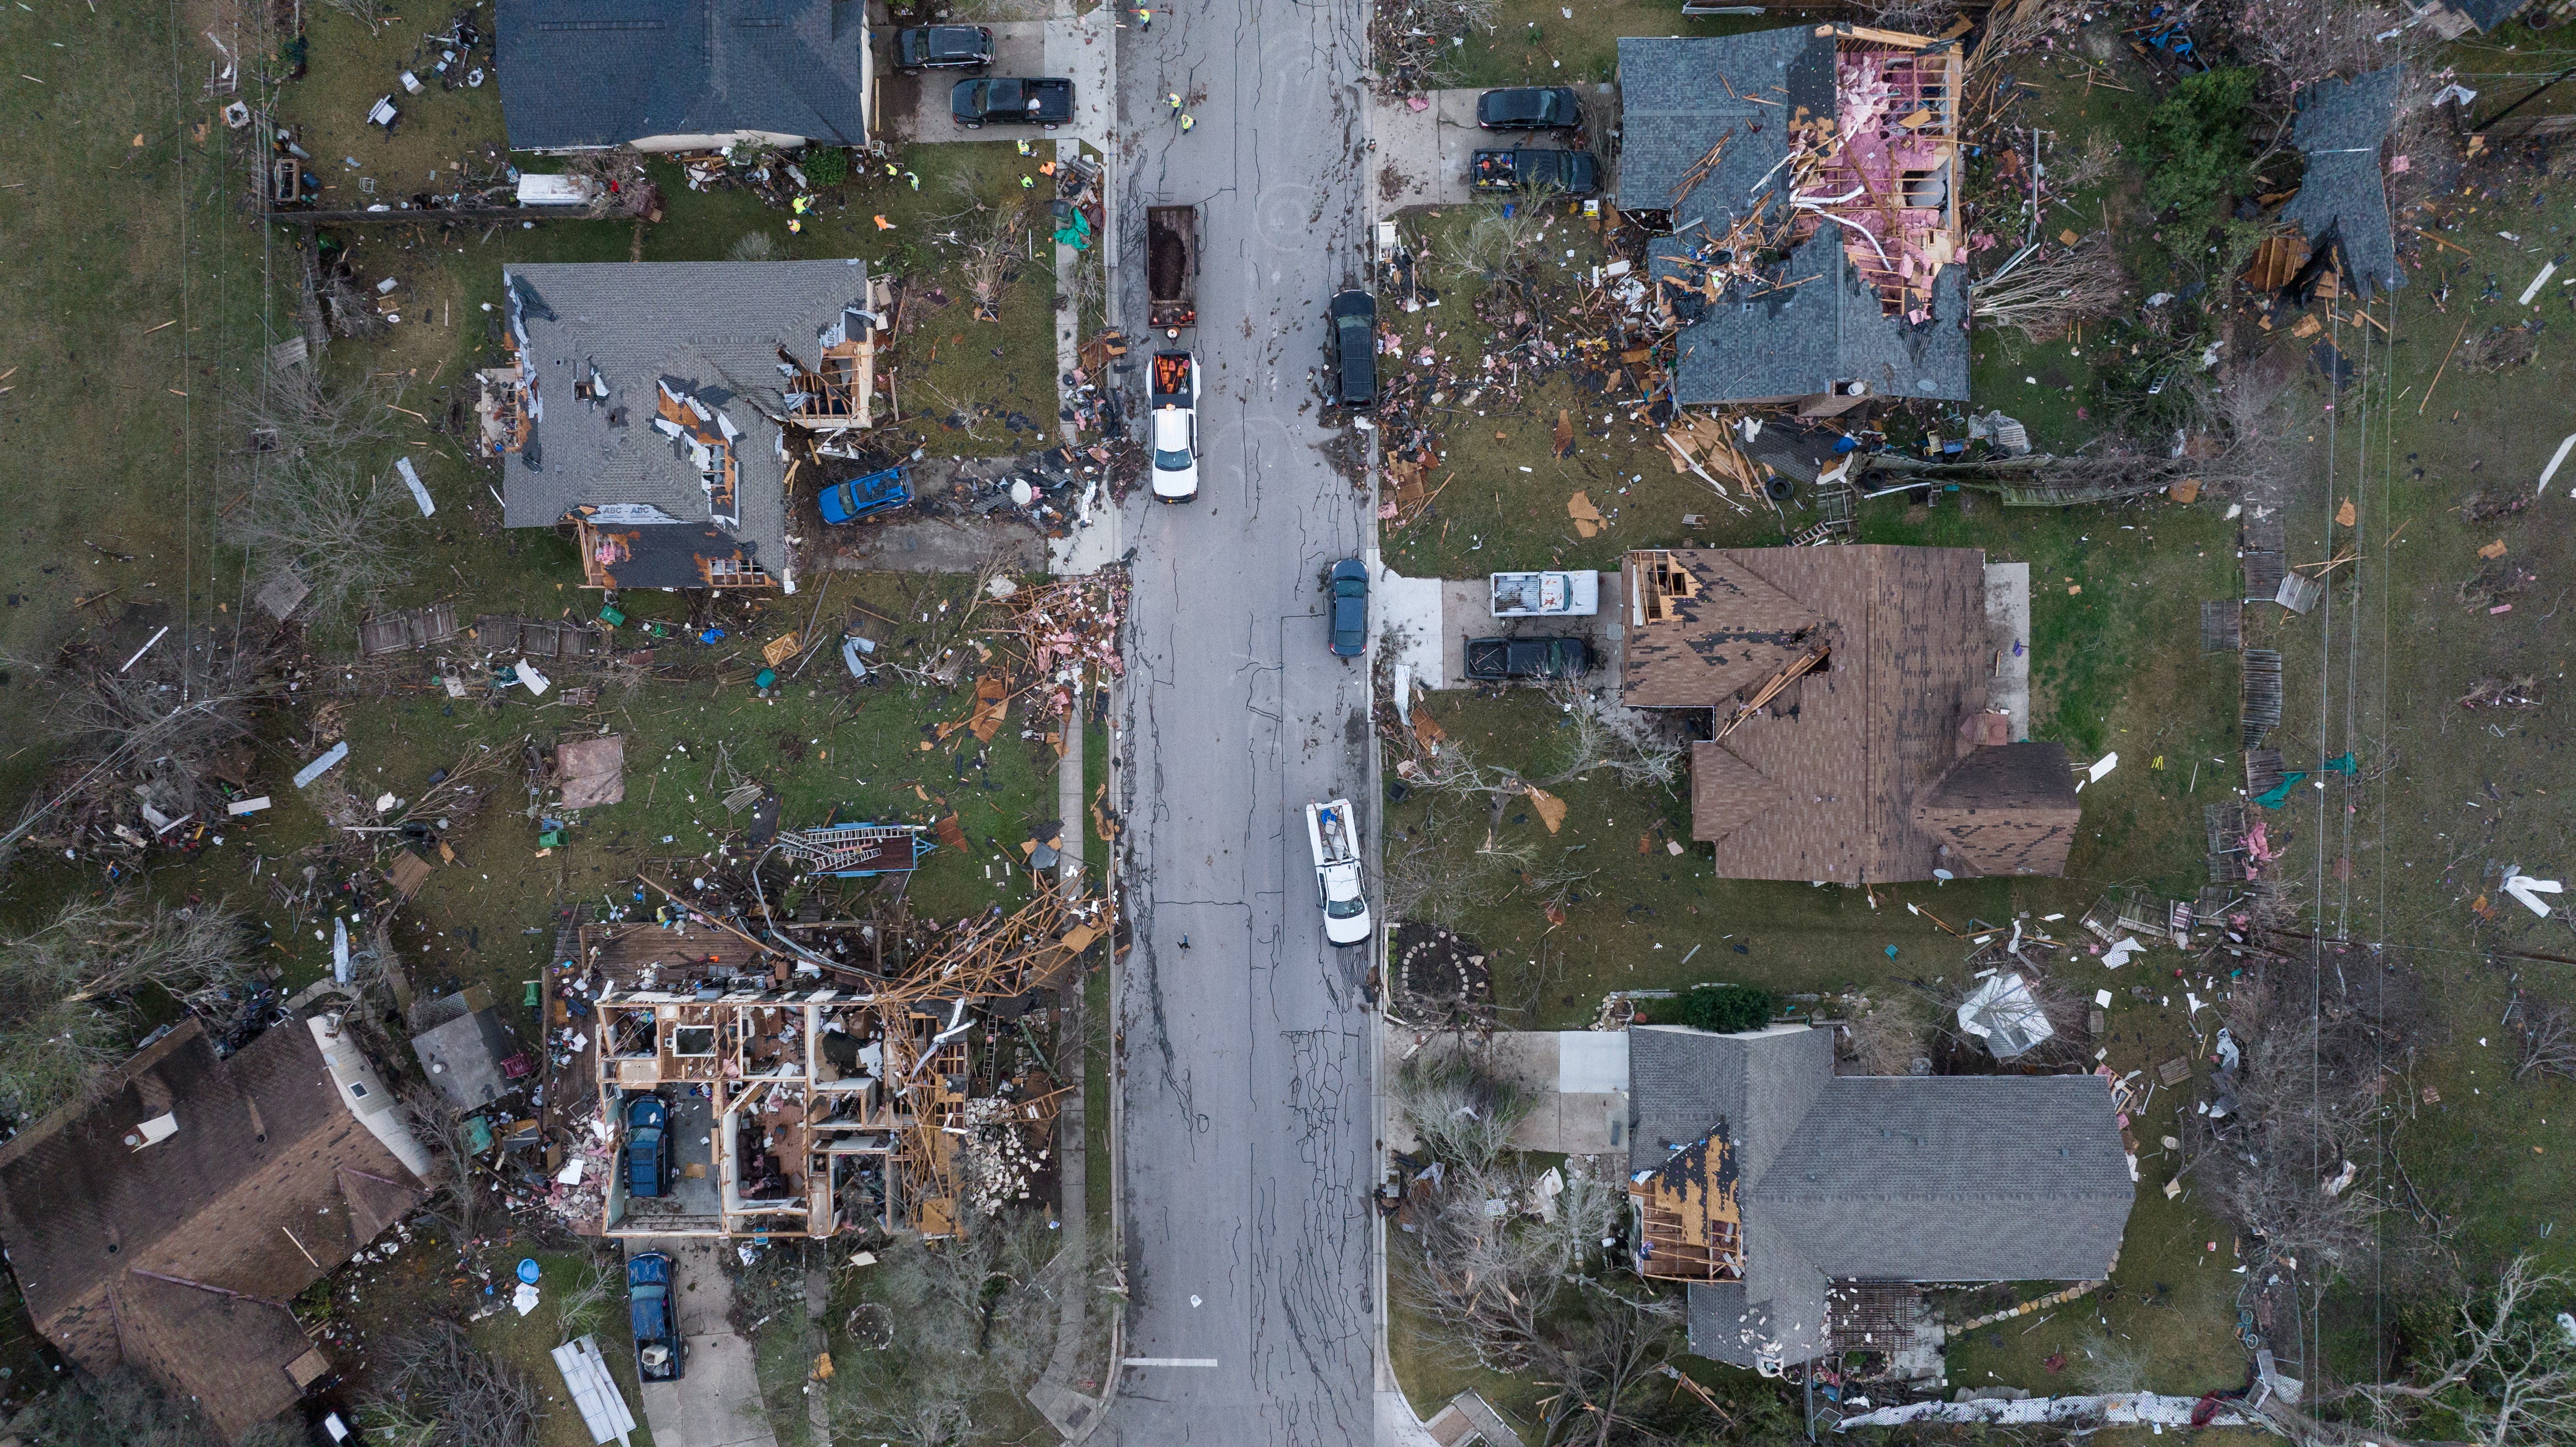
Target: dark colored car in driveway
[[1530, 108], [1574, 173], [1354, 318], [1011, 101], [661, 1355], [1349, 584], [943, 47], [1535, 657]]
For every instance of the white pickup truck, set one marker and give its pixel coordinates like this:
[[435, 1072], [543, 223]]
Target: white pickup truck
[[1546, 595], [1334, 832]]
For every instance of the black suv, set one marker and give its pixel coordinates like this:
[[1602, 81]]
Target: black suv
[[1354, 318], [1530, 108], [1042, 101], [943, 47]]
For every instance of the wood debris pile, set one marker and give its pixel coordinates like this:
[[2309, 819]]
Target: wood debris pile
[[1067, 634]]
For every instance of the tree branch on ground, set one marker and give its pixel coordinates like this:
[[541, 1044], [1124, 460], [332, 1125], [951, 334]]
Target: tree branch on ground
[[437, 1378], [2507, 1373], [2548, 1043], [2053, 289], [1462, 1112]]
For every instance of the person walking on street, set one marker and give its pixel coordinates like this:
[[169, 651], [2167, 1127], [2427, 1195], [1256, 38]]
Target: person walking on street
[[1174, 101], [1144, 18], [1188, 125]]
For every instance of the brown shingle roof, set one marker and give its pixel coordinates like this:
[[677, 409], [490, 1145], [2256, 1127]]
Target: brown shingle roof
[[1851, 745], [1726, 791], [2005, 809], [176, 1256]]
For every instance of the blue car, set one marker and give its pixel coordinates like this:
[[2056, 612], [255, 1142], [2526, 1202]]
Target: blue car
[[1349, 583], [847, 502], [648, 1147], [660, 1353]]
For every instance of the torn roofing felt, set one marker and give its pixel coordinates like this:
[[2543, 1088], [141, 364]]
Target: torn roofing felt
[[583, 73], [1811, 184], [650, 393], [2344, 197]]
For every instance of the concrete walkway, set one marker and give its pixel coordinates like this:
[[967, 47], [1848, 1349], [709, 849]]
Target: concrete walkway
[[716, 1402]]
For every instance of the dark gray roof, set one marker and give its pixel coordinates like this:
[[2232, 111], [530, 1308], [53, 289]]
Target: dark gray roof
[[1798, 341], [1679, 96], [714, 330], [2488, 14], [1954, 1178], [1851, 1178], [2341, 126], [1682, 1083], [578, 73]]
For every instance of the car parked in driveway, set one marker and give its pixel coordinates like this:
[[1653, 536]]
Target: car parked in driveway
[[1573, 173], [1354, 318], [648, 1146], [853, 498], [1534, 657], [1011, 101], [1348, 585], [1530, 108], [661, 1353], [943, 47]]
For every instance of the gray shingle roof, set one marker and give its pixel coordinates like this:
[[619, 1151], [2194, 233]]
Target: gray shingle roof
[[1954, 1178], [1938, 1179], [1678, 96], [578, 73], [2341, 126], [714, 328], [1799, 341]]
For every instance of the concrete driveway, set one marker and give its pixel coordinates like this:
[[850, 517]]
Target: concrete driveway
[[1422, 154], [716, 1402], [1074, 46]]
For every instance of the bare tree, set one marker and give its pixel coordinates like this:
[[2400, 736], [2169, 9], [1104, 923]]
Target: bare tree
[[2287, 1164], [294, 415], [1461, 1111], [2507, 1374], [342, 535], [460, 1200], [50, 1052], [97, 947], [443, 1392], [1885, 1037]]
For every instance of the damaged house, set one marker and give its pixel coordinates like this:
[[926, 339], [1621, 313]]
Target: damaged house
[[656, 410], [164, 1222], [683, 75], [1853, 702], [1811, 180], [1803, 1209], [2342, 204]]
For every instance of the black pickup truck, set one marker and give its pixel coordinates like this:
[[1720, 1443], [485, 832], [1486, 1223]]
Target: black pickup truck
[[1535, 657], [1574, 173]]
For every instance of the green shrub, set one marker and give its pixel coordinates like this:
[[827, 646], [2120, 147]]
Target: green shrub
[[825, 166], [1727, 1009], [2195, 143]]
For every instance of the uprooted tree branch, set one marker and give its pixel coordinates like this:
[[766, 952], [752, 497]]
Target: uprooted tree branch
[[2046, 293]]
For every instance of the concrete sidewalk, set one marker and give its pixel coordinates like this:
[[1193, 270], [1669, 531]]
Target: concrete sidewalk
[[716, 1402]]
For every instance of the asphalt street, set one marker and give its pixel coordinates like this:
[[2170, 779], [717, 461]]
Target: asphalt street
[[1246, 1057]]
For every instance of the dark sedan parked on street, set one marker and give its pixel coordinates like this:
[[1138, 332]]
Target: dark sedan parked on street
[[1354, 318], [1530, 108], [943, 47]]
